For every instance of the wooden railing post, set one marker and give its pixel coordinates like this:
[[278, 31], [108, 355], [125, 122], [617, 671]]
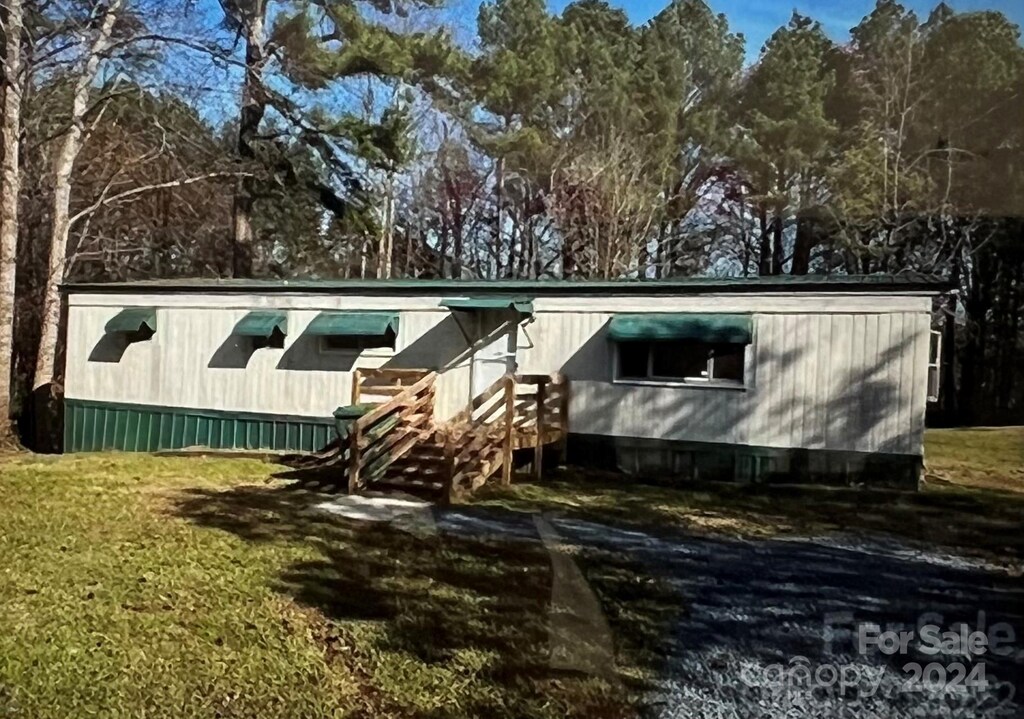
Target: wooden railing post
[[538, 447], [354, 437], [510, 412], [448, 493], [357, 378], [563, 419]]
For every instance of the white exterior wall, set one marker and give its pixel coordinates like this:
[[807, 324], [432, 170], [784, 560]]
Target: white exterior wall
[[823, 372], [173, 369], [826, 371]]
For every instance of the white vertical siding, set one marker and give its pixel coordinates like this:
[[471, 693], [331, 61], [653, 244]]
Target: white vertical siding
[[823, 372], [191, 361], [828, 380]]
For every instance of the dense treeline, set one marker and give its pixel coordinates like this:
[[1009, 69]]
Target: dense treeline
[[373, 139]]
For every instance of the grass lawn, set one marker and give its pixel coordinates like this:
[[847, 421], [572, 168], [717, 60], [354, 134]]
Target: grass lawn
[[189, 587], [987, 458], [185, 587], [972, 500]]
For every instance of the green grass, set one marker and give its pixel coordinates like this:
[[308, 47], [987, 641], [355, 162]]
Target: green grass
[[987, 458], [187, 587]]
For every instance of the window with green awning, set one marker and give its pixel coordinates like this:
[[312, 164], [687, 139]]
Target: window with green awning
[[354, 331], [133, 320], [710, 328], [353, 324], [262, 323], [691, 348], [523, 305]]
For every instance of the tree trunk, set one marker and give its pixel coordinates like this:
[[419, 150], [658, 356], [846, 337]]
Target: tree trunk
[[778, 252], [973, 365], [655, 255], [499, 212], [806, 231], [1006, 338], [69, 145], [948, 383], [458, 232], [764, 259], [10, 192], [385, 252], [254, 106], [407, 262]]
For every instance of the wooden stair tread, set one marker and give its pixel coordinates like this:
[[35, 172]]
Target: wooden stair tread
[[431, 490], [413, 469]]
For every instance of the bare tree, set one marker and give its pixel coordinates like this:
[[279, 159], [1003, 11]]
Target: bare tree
[[101, 26], [10, 193], [250, 18], [605, 207]]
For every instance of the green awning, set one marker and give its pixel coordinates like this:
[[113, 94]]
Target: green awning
[[262, 324], [476, 304], [353, 324], [737, 329], [132, 320]]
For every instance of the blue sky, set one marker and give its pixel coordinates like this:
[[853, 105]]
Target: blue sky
[[758, 19]]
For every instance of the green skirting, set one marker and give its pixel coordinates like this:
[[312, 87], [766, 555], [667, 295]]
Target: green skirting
[[711, 461], [91, 426]]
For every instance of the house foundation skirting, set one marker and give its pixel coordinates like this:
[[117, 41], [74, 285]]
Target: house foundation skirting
[[743, 463], [93, 426]]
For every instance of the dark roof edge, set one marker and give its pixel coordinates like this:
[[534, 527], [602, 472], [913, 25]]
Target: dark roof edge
[[901, 284]]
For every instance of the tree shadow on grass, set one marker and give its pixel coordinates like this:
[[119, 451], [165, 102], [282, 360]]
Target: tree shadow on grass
[[448, 600], [978, 522], [469, 595]]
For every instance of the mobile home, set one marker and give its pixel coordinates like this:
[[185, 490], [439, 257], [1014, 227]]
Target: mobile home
[[765, 379]]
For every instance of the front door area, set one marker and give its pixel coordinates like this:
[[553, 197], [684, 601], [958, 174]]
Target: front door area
[[495, 351]]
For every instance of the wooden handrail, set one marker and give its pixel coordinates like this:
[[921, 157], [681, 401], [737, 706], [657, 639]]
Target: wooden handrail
[[480, 453], [396, 402], [371, 453], [517, 409], [542, 409], [382, 381], [466, 415]]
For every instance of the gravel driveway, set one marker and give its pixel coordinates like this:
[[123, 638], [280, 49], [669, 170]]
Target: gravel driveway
[[767, 628], [759, 612]]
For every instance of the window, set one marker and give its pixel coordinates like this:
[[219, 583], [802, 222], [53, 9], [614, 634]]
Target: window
[[356, 343], [934, 362], [681, 361], [143, 334], [135, 324], [353, 332], [274, 340]]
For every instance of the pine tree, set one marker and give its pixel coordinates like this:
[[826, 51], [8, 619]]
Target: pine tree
[[690, 69], [320, 43], [786, 137]]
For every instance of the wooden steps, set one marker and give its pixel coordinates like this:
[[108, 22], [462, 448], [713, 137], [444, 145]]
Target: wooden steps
[[422, 472], [396, 446]]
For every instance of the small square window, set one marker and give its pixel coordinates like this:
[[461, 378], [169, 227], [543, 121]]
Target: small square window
[[274, 341], [352, 343], [633, 358], [727, 362], [679, 360]]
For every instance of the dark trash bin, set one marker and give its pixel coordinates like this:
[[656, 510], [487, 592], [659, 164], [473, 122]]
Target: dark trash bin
[[345, 416]]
